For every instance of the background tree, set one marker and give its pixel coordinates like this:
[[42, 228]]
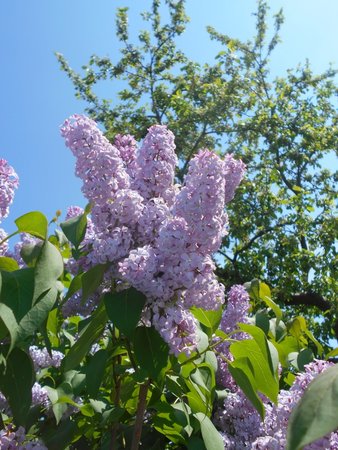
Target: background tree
[[282, 219]]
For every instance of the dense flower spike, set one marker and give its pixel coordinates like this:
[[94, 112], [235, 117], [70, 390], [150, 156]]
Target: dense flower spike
[[234, 172], [98, 163], [9, 181], [160, 237], [155, 164], [236, 312], [201, 201]]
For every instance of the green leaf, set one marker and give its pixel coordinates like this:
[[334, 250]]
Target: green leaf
[[34, 223], [124, 309], [30, 253], [275, 308], [75, 229], [211, 437], [260, 358], [268, 350], [75, 286], [56, 395], [210, 319], [151, 351], [49, 267], [86, 338], [17, 291], [8, 318], [242, 372], [8, 264], [165, 422], [16, 384], [317, 412], [91, 280], [195, 443], [59, 437], [94, 372]]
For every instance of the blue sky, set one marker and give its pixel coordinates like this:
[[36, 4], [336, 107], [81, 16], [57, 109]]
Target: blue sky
[[36, 96]]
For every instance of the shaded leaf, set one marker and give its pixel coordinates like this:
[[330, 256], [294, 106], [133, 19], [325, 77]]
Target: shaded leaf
[[16, 384], [75, 229], [151, 351], [124, 309], [86, 338], [91, 280]]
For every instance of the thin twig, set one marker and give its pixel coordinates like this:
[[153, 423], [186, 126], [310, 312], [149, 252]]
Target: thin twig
[[141, 407]]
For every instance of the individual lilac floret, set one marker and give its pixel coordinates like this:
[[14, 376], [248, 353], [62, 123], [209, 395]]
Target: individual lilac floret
[[9, 181], [234, 172], [177, 326], [42, 359], [201, 201], [156, 162], [98, 162]]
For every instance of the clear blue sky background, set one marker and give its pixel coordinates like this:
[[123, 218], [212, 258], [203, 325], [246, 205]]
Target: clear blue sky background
[[36, 96]]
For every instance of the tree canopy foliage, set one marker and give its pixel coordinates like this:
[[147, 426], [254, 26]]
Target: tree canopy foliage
[[283, 223]]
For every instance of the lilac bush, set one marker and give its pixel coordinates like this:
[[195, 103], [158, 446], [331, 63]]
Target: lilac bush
[[121, 308]]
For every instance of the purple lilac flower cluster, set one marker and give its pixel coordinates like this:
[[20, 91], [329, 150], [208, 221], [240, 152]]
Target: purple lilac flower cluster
[[14, 440], [241, 427], [236, 311], [42, 359], [9, 181], [159, 236]]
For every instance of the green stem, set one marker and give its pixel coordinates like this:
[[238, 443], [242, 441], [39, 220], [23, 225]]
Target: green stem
[[9, 236]]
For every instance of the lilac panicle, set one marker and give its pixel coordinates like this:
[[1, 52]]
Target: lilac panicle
[[98, 163], [155, 164], [42, 359], [201, 201], [9, 181], [236, 311], [234, 172]]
